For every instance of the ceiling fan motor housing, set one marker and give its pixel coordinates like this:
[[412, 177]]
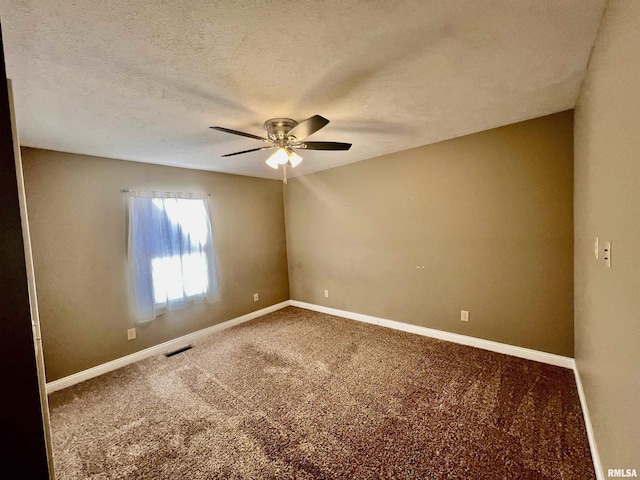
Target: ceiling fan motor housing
[[277, 128]]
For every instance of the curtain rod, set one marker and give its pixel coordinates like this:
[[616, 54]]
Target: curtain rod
[[126, 190]]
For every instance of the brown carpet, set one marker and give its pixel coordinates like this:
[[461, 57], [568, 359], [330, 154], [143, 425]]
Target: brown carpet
[[299, 394]]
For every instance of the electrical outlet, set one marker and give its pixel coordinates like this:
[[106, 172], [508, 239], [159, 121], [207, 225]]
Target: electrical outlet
[[131, 334], [596, 249], [464, 315], [326, 294], [255, 297]]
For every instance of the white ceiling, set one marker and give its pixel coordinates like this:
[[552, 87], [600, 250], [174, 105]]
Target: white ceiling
[[143, 80]]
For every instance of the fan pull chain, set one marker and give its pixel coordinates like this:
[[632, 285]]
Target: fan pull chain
[[284, 171]]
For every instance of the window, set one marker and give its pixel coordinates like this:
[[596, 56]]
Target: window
[[171, 252]]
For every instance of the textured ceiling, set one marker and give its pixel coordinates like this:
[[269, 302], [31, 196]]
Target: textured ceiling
[[143, 80]]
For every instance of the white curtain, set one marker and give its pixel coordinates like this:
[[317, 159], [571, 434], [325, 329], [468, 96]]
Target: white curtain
[[171, 254]]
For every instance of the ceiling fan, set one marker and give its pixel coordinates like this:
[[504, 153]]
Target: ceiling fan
[[286, 135]]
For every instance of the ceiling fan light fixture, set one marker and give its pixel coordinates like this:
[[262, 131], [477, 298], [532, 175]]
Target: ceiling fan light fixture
[[281, 156], [294, 158], [272, 161]]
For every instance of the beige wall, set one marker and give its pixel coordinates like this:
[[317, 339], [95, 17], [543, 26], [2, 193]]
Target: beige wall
[[607, 205], [78, 219], [488, 216]]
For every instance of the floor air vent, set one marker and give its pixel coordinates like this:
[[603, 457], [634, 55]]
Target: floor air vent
[[180, 350]]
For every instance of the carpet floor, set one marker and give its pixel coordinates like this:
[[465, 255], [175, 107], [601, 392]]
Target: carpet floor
[[303, 395]]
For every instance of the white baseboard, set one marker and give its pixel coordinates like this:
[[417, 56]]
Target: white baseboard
[[597, 466], [158, 349], [521, 352]]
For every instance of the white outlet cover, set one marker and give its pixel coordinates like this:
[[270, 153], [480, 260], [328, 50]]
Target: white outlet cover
[[326, 294], [464, 315], [256, 297], [131, 334]]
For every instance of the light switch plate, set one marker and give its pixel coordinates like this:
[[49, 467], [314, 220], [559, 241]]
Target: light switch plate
[[607, 254]]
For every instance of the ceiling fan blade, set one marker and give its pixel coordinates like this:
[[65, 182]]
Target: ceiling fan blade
[[242, 134], [308, 127], [324, 146], [247, 151]]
